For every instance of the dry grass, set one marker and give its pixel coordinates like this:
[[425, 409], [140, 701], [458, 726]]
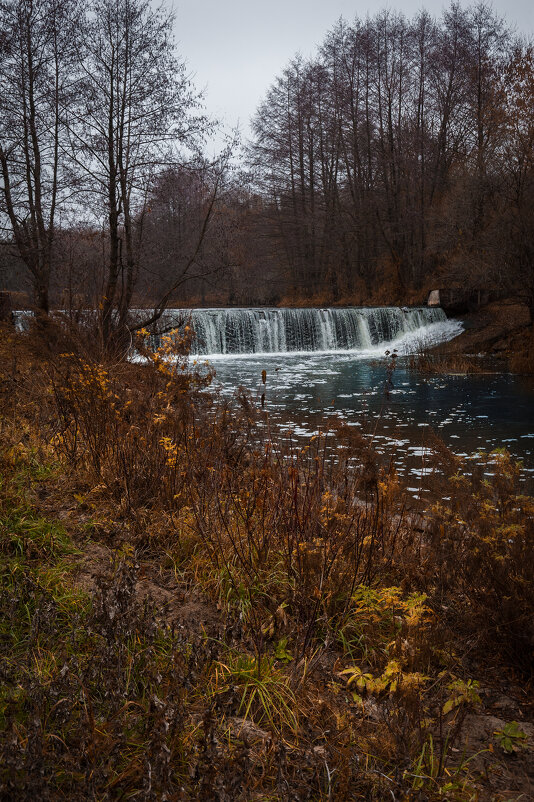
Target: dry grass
[[340, 631], [523, 360], [435, 362]]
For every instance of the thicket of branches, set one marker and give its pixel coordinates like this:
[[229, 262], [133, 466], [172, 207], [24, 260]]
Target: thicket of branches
[[278, 623], [95, 106], [403, 149]]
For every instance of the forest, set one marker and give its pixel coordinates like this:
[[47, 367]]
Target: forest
[[397, 159]]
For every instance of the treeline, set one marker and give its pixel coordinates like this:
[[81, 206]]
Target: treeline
[[402, 153], [398, 158]]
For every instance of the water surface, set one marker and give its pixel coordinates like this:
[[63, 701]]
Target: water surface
[[469, 412]]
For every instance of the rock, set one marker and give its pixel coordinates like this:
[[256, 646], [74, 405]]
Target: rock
[[478, 731], [507, 705], [433, 298], [247, 731]]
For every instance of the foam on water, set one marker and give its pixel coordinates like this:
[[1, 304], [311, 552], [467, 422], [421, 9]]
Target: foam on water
[[354, 330], [359, 331]]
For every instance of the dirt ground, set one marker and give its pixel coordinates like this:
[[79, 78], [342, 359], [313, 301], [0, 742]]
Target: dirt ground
[[499, 329]]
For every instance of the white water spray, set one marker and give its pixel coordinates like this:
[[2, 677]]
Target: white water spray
[[269, 331]]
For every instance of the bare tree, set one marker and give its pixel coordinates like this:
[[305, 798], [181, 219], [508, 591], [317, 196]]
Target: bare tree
[[135, 106], [516, 217], [36, 58], [378, 159]]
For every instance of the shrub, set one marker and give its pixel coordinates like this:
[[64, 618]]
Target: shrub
[[479, 556]]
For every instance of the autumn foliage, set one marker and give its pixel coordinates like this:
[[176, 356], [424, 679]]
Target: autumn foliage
[[342, 625]]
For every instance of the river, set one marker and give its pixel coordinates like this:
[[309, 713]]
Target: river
[[308, 386]]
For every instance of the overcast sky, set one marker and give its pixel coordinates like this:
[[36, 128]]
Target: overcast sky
[[235, 48]]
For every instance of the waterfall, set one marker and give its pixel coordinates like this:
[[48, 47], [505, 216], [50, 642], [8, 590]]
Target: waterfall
[[272, 331], [248, 331]]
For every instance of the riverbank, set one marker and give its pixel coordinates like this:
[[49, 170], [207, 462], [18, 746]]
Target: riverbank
[[500, 330], [194, 608]]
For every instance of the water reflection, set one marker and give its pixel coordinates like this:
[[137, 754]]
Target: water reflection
[[468, 412]]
